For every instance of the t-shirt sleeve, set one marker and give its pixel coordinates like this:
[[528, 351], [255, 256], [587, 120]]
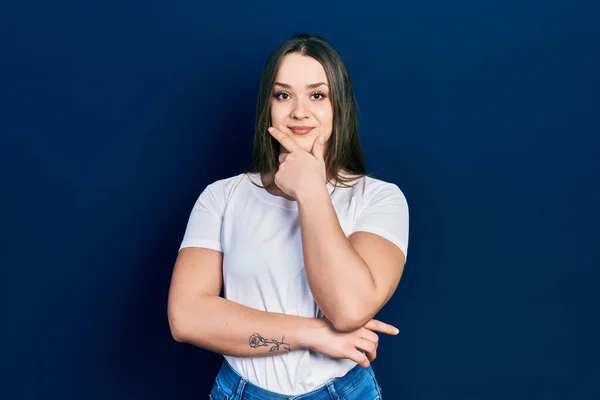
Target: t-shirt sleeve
[[386, 214], [205, 221]]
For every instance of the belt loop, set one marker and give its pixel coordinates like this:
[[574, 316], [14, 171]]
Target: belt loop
[[332, 393], [240, 388]]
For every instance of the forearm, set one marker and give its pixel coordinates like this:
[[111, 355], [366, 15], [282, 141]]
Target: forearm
[[229, 328], [340, 281]]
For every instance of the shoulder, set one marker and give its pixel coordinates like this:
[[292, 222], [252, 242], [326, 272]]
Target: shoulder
[[383, 210], [369, 190], [377, 189], [220, 191], [226, 184]]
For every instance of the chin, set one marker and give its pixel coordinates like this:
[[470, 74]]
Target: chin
[[306, 142]]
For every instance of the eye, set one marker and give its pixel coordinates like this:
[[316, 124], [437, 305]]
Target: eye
[[280, 96], [322, 95]]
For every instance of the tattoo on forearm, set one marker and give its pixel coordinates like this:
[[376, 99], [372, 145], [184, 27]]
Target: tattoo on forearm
[[258, 341]]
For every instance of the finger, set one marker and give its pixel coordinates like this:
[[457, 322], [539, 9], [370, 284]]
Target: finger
[[369, 335], [366, 345], [376, 325], [371, 355], [359, 358], [286, 141], [380, 326], [318, 148]]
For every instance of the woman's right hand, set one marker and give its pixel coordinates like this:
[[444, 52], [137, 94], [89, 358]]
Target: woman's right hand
[[359, 345]]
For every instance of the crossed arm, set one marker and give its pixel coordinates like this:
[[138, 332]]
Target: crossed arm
[[351, 278]]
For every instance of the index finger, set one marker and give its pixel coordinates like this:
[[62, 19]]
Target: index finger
[[376, 325], [284, 139]]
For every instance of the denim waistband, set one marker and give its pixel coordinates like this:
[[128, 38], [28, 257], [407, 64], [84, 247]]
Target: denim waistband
[[339, 386]]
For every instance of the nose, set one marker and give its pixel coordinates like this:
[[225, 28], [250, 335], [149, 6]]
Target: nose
[[299, 109]]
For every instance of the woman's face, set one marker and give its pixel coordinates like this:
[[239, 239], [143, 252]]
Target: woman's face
[[300, 99]]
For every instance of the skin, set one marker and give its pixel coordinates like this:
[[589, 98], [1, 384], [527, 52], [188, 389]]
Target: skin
[[300, 97], [298, 104], [351, 278], [199, 316]]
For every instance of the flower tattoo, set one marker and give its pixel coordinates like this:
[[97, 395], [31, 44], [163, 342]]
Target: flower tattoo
[[258, 341]]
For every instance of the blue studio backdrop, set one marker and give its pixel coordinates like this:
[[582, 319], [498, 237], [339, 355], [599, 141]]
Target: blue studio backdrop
[[115, 115]]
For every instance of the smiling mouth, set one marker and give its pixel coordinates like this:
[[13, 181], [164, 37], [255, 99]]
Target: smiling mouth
[[301, 130]]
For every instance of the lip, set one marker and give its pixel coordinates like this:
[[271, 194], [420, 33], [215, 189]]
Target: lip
[[301, 130]]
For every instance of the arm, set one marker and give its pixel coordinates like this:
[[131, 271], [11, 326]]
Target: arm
[[351, 278], [197, 315]]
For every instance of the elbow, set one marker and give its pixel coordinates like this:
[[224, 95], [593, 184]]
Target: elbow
[[177, 335], [186, 321], [350, 315], [346, 325], [177, 325], [349, 322], [176, 332]]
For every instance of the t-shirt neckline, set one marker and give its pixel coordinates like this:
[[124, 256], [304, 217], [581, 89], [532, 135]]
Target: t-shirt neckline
[[278, 201]]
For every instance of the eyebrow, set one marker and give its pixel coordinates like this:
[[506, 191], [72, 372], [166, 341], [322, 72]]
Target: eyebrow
[[311, 86]]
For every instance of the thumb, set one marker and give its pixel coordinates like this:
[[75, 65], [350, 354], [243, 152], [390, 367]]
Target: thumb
[[318, 148]]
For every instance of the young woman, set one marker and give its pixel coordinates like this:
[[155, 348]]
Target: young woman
[[307, 245]]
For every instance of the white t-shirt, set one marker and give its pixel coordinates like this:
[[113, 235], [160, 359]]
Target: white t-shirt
[[259, 235]]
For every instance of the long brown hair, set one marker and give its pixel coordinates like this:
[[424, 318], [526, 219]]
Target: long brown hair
[[343, 151]]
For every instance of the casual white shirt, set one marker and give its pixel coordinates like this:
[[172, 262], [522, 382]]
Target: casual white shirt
[[259, 235]]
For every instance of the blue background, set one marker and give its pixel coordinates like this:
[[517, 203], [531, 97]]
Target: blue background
[[116, 115]]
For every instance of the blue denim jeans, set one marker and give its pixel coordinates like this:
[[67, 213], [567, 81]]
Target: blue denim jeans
[[358, 384]]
